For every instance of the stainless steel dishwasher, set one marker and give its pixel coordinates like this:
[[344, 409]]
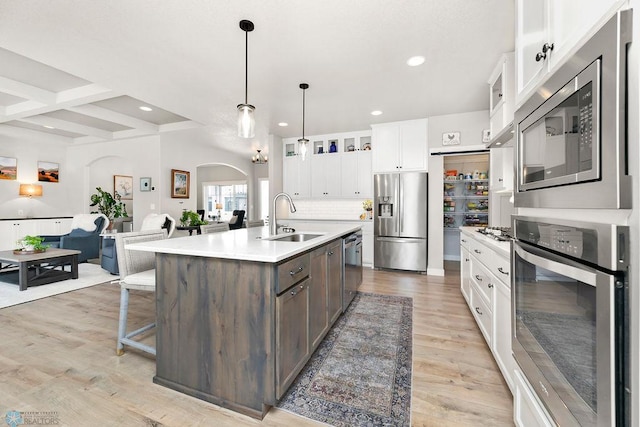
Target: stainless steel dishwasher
[[352, 267]]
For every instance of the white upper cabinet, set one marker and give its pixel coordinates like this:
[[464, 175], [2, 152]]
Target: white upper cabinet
[[502, 94], [548, 31], [400, 146], [325, 176], [357, 179], [296, 174], [330, 173]]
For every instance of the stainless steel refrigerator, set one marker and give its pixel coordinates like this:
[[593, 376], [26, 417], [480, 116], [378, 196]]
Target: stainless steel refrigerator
[[400, 221]]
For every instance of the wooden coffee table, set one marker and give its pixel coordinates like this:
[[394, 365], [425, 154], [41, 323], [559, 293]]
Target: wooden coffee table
[[40, 268]]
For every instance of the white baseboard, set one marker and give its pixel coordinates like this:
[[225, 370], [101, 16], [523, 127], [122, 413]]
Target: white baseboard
[[435, 271]]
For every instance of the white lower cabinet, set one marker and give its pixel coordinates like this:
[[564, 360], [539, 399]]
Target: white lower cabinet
[[527, 409], [14, 230], [485, 284]]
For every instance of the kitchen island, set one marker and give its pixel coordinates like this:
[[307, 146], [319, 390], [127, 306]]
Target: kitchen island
[[239, 313]]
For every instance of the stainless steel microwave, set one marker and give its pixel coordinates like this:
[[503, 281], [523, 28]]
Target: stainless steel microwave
[[571, 140]]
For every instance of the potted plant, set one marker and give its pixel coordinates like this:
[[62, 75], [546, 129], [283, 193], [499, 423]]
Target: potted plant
[[31, 244], [109, 205], [190, 219]]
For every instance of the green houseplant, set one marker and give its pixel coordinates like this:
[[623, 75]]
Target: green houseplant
[[31, 244], [109, 205], [190, 219]]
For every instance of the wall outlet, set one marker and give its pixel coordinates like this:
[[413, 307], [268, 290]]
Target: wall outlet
[[20, 212]]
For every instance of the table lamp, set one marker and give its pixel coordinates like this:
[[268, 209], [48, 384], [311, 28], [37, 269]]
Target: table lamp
[[218, 207]]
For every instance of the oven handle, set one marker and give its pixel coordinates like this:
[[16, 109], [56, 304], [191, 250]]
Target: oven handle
[[556, 264]]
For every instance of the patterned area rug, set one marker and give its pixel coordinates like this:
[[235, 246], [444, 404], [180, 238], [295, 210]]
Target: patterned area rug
[[360, 375]]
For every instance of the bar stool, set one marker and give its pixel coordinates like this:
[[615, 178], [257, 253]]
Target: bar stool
[[137, 271]]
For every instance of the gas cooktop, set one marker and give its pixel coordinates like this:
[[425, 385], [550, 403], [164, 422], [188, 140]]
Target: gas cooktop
[[501, 234]]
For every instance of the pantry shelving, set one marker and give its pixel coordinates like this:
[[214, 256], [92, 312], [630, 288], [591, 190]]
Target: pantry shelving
[[465, 203]]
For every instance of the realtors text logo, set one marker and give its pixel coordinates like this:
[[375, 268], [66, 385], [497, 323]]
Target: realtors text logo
[[16, 418]]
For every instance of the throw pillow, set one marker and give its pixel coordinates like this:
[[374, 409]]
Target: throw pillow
[[85, 222], [153, 222], [233, 219]]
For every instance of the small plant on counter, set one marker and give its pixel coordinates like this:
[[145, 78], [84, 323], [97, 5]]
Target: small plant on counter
[[190, 219], [31, 243], [367, 205]]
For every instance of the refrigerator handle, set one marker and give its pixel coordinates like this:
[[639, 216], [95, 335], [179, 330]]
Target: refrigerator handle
[[400, 200]]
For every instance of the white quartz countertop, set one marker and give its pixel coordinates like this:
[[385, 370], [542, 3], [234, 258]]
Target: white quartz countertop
[[502, 248], [247, 244]]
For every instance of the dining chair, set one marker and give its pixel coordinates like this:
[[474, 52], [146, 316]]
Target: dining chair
[[137, 271], [255, 223], [214, 228]]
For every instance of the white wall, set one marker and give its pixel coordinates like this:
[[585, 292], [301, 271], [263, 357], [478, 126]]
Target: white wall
[[470, 125], [87, 166], [29, 147]]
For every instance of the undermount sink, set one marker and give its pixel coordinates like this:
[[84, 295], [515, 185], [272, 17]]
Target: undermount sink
[[295, 237]]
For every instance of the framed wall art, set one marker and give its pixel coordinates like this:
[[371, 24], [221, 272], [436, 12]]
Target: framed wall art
[[451, 138], [179, 184], [8, 168], [123, 185], [48, 172], [145, 184]]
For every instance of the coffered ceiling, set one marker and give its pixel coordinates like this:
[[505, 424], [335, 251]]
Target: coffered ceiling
[[81, 70]]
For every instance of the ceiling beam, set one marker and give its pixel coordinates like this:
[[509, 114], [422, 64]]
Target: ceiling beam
[[69, 126], [26, 91]]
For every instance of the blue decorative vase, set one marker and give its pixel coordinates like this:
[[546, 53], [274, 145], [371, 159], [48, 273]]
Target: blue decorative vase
[[333, 148]]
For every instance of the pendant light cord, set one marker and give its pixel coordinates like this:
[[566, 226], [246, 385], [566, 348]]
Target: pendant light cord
[[303, 104], [246, 67]]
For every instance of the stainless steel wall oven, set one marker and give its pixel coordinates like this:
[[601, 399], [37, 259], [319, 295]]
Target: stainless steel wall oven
[[570, 314], [571, 141]]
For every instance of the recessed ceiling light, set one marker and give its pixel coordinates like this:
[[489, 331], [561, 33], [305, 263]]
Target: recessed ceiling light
[[283, 124], [145, 108], [376, 113], [48, 127], [414, 61]]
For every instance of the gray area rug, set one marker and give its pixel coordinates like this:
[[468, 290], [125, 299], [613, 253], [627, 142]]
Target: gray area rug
[[360, 375]]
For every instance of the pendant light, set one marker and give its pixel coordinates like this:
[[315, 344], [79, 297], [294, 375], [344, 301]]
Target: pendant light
[[246, 120], [303, 142]]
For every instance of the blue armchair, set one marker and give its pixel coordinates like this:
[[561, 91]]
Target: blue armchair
[[84, 236]]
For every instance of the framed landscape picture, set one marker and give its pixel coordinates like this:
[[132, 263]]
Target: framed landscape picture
[[8, 168], [48, 172], [179, 184], [123, 185]]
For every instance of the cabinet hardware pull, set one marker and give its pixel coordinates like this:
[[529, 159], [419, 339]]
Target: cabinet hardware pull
[[502, 271], [490, 285], [301, 287], [464, 241], [478, 278], [466, 260], [293, 292], [547, 47], [330, 253], [499, 95], [478, 311], [297, 271], [540, 56], [477, 251]]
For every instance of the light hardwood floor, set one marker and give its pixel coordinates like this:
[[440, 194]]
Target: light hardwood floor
[[58, 354]]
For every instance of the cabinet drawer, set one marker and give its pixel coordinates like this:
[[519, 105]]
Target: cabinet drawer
[[292, 271], [501, 268], [480, 251], [482, 314], [483, 280], [464, 240]]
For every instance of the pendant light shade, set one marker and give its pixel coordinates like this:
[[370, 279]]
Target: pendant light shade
[[246, 119], [303, 142]]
